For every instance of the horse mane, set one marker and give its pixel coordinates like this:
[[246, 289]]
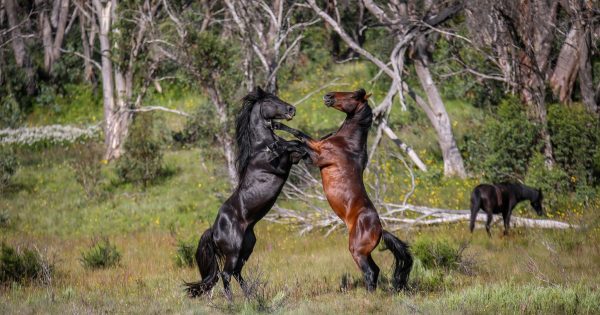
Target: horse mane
[[243, 130]]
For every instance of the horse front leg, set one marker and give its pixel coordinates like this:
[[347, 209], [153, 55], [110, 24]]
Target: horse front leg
[[295, 132]]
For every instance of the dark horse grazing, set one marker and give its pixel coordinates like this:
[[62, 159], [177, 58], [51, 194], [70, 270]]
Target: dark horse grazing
[[342, 158], [502, 198], [263, 163]]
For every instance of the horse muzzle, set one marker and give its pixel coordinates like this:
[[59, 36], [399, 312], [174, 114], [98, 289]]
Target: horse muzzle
[[329, 99]]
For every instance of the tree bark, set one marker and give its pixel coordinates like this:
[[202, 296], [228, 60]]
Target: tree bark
[[223, 137], [116, 115], [567, 65], [436, 112], [586, 83], [17, 43]]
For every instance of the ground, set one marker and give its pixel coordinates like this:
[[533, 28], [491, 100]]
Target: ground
[[530, 271]]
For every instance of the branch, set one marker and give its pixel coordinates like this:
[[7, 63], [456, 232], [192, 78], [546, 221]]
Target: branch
[[92, 61], [153, 108], [307, 96]]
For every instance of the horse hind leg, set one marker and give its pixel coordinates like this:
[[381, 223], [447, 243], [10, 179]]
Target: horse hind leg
[[247, 248], [488, 224], [364, 237], [369, 268]]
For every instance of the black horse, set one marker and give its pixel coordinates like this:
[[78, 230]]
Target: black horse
[[263, 163], [502, 198]]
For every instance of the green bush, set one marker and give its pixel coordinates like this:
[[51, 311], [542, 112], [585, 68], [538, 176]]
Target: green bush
[[502, 150], [87, 166], [553, 183], [142, 161], [21, 265], [8, 167], [437, 253], [102, 254], [575, 138], [184, 257], [426, 280]]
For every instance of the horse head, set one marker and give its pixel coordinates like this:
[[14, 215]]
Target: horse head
[[536, 202], [347, 102]]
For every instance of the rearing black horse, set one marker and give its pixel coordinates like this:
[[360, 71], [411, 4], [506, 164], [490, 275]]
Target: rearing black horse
[[263, 163], [502, 198]]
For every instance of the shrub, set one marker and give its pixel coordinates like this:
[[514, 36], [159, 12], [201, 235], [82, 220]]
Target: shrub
[[8, 167], [426, 280], [87, 166], [184, 257], [142, 161], [575, 138], [102, 254], [553, 183], [198, 127], [21, 265], [498, 151], [438, 253]]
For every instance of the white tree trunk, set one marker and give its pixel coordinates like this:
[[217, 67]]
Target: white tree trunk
[[116, 115], [436, 112]]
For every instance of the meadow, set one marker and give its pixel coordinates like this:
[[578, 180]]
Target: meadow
[[531, 271]]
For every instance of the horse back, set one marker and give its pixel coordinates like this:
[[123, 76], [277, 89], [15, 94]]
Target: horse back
[[491, 197]]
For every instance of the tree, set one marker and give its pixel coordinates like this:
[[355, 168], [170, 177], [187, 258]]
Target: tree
[[408, 24], [208, 57], [265, 32], [122, 33], [520, 34]]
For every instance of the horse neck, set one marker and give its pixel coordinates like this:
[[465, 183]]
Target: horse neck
[[527, 193], [260, 128], [356, 125]]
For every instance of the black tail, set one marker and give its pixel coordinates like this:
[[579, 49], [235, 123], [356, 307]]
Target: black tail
[[475, 203], [207, 259], [403, 259]]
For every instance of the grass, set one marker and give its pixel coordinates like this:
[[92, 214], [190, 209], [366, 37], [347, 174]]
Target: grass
[[530, 271], [297, 274]]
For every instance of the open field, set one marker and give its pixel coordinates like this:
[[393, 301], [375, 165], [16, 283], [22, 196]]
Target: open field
[[531, 271]]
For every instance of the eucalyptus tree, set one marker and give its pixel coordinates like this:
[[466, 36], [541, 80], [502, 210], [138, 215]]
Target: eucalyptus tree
[[409, 24]]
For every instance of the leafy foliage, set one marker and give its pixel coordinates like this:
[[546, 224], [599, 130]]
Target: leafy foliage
[[102, 254], [502, 149], [438, 253], [575, 138], [20, 265], [184, 256], [8, 167], [87, 164], [142, 161]]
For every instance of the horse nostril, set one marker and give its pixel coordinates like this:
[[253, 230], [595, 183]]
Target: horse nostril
[[291, 110], [328, 99]]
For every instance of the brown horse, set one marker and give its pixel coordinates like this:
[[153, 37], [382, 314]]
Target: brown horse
[[342, 157]]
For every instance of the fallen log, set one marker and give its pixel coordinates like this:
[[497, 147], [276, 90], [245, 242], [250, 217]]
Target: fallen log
[[412, 216]]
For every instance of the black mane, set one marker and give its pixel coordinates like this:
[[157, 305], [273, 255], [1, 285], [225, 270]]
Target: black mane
[[242, 130]]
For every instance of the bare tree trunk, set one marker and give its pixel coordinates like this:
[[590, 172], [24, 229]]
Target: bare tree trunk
[[116, 116], [18, 44], [586, 83], [565, 72], [223, 136], [88, 72], [436, 112], [60, 29]]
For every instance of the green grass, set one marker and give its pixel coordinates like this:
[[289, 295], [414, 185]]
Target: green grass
[[531, 271]]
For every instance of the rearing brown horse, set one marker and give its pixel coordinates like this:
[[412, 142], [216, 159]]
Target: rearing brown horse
[[342, 158]]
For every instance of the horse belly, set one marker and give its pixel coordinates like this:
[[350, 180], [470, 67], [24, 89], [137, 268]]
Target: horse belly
[[341, 190]]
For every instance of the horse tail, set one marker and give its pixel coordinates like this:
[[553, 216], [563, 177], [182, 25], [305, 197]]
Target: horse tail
[[475, 205], [403, 260], [207, 256]]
